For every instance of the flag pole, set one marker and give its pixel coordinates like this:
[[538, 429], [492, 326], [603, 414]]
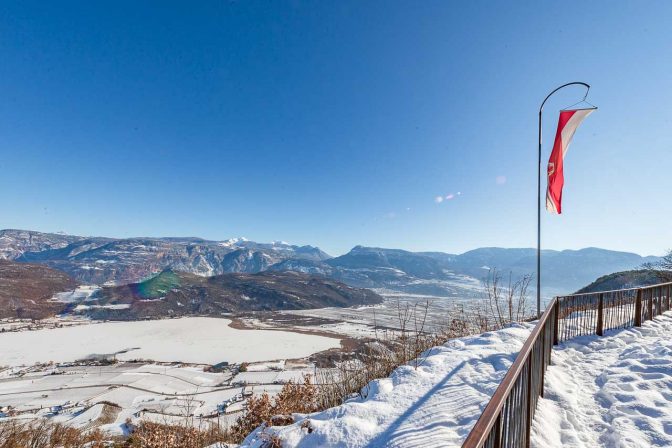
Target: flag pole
[[541, 108]]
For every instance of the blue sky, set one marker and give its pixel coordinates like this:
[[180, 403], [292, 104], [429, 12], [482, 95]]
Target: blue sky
[[335, 123]]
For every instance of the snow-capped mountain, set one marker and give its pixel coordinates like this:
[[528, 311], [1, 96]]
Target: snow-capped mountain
[[97, 260], [14, 243]]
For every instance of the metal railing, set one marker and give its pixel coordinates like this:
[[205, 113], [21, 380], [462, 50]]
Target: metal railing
[[507, 419]]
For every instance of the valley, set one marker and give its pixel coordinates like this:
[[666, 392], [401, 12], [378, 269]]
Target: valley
[[102, 332]]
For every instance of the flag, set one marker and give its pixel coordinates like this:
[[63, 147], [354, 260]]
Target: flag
[[567, 124]]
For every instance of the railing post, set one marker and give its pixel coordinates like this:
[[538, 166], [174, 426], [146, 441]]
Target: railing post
[[529, 398], [638, 308], [600, 315], [498, 432], [650, 306], [544, 336], [556, 321], [669, 302]]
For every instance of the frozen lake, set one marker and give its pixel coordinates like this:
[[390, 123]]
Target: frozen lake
[[191, 339]]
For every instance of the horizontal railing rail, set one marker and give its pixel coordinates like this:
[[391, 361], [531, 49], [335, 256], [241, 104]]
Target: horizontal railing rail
[[506, 420]]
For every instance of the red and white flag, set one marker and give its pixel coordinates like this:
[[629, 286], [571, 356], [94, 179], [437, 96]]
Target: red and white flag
[[567, 124]]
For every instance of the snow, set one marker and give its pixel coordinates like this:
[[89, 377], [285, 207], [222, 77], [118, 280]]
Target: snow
[[266, 366], [81, 420], [192, 339], [436, 404], [232, 242], [141, 392], [610, 391], [80, 294], [118, 306]]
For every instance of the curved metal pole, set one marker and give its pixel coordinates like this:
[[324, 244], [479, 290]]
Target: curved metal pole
[[541, 108]]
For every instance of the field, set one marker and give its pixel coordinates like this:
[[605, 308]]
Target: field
[[106, 396], [194, 340]]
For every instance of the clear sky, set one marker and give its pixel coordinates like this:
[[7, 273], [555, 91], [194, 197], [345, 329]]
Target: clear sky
[[335, 123]]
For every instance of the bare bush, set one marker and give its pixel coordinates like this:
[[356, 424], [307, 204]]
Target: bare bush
[[506, 303], [44, 434], [161, 435], [264, 410], [662, 268]]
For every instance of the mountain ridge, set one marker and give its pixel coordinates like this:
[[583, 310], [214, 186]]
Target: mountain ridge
[[103, 260], [172, 294]]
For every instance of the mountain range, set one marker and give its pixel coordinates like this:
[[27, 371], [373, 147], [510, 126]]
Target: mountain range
[[34, 291], [119, 261], [179, 293]]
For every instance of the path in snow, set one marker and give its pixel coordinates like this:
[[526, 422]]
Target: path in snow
[[611, 391], [435, 405]]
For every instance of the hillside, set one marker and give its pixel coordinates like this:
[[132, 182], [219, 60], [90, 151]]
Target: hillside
[[26, 290], [178, 294], [625, 279]]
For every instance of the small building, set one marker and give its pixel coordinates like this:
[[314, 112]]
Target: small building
[[219, 367]]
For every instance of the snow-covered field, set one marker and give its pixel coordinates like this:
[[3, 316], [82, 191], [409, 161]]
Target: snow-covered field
[[612, 391], [136, 391], [434, 405], [360, 321], [82, 390], [80, 294], [190, 339]]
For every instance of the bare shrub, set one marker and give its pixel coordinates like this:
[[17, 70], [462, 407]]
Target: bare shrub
[[662, 268], [161, 435], [263, 410], [44, 434], [506, 303]]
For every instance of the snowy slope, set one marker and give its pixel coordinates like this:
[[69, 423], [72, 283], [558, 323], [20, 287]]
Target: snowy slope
[[611, 391], [435, 405]]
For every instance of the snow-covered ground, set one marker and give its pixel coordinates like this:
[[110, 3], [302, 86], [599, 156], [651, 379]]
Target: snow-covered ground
[[80, 294], [190, 339], [611, 391], [436, 404], [136, 391]]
